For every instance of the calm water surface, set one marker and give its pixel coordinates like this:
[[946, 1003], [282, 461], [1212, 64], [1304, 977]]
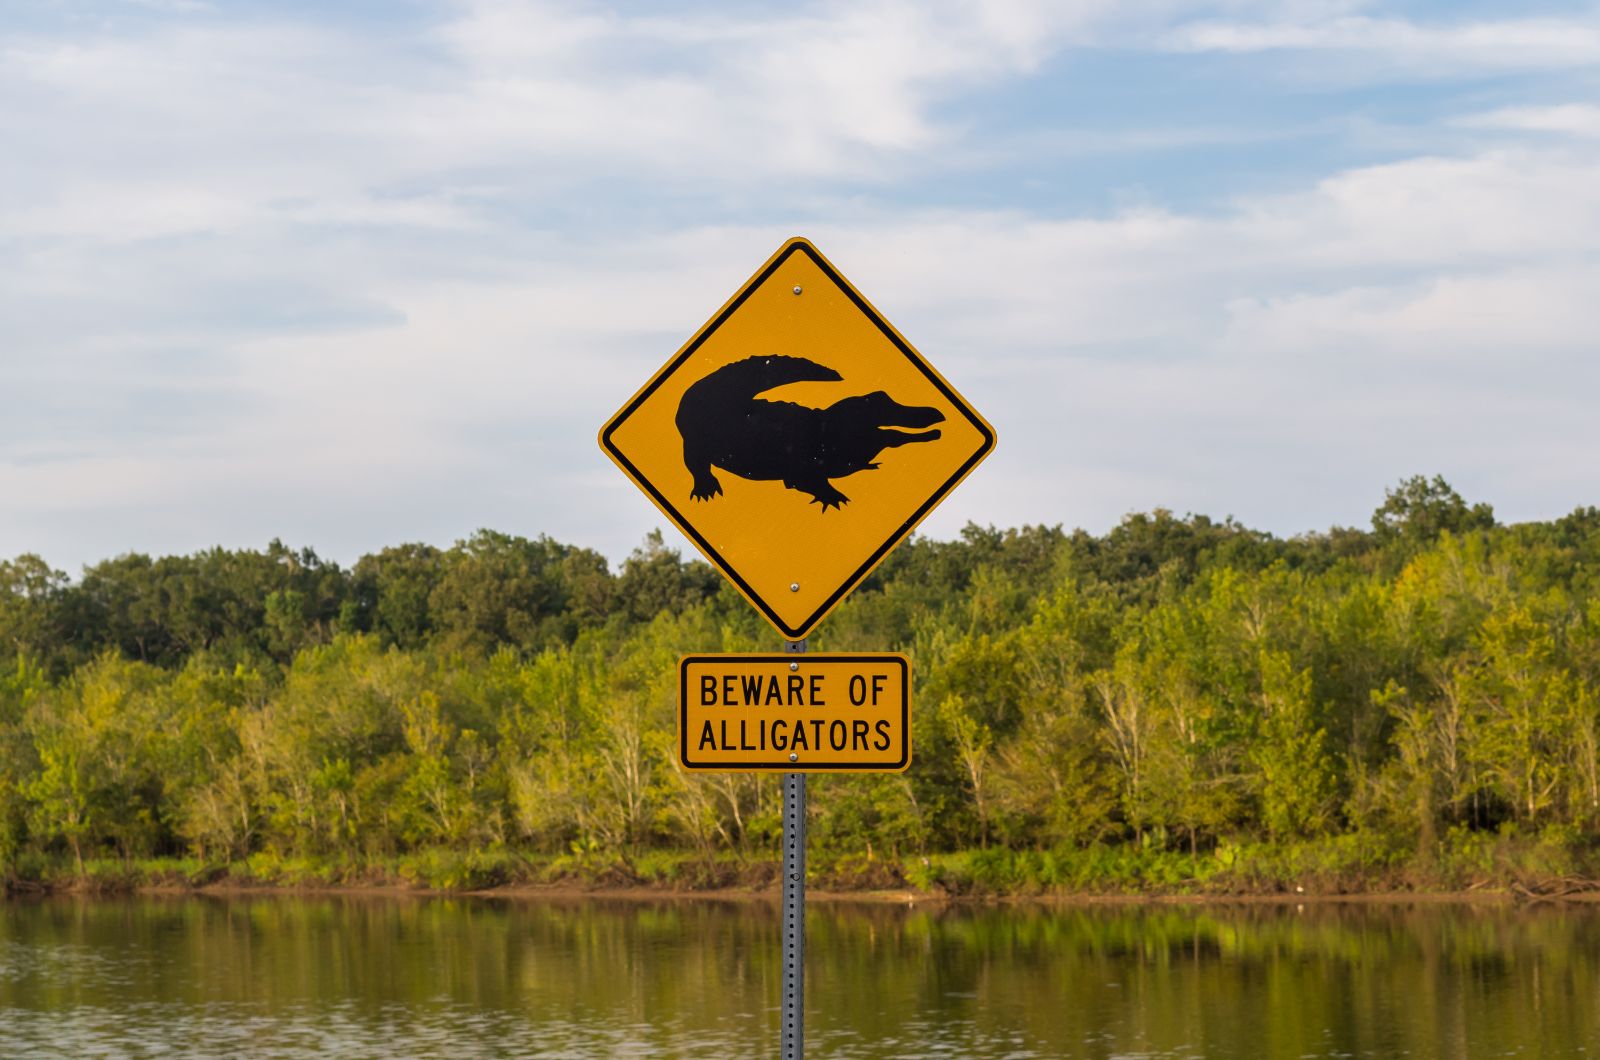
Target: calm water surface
[[374, 977]]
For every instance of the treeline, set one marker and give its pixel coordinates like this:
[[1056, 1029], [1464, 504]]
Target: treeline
[[259, 609], [1178, 686]]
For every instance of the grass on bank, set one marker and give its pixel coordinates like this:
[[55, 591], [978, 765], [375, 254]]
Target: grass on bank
[[1548, 862]]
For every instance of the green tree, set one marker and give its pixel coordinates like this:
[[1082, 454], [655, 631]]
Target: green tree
[[1524, 708], [1417, 511], [98, 742], [655, 579], [1297, 774]]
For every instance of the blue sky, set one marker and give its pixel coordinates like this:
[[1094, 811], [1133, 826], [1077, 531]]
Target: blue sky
[[365, 273]]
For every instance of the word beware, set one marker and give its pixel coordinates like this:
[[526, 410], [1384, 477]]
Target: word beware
[[768, 690]]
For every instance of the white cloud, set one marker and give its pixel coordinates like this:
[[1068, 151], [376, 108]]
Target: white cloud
[[1494, 206], [1571, 119], [212, 126], [812, 91], [1512, 317], [1259, 338], [301, 280], [1406, 46]]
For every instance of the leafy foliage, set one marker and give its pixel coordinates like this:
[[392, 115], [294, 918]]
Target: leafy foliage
[[1178, 692]]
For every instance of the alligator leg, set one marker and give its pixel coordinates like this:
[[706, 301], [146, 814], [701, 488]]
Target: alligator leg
[[706, 485], [821, 490]]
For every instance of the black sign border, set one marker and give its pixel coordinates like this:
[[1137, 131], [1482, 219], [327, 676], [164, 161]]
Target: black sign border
[[898, 535], [784, 765]]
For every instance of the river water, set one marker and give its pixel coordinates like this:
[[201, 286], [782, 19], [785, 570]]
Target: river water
[[394, 977]]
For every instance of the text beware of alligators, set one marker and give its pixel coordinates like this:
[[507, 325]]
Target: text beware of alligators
[[822, 712], [794, 732]]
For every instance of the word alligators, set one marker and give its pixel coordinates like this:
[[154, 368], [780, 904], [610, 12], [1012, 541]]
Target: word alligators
[[799, 734]]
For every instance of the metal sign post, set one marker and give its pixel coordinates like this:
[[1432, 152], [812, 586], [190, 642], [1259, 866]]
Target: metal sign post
[[794, 916], [792, 1036]]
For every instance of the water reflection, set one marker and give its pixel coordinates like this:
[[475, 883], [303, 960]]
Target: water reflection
[[362, 976]]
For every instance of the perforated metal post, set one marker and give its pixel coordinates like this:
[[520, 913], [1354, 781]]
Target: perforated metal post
[[794, 908]]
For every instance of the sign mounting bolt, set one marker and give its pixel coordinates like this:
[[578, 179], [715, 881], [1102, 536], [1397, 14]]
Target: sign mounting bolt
[[794, 587], [797, 288], [794, 666], [793, 757]]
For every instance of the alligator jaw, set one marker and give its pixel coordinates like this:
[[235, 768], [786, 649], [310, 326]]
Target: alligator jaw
[[908, 416], [900, 437]]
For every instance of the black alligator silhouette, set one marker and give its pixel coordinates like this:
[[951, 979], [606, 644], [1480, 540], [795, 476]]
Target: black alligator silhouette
[[725, 424]]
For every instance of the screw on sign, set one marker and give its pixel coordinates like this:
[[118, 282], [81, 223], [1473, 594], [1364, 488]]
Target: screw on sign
[[796, 439]]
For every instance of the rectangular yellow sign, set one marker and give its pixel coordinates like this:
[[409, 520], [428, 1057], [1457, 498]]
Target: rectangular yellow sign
[[795, 713]]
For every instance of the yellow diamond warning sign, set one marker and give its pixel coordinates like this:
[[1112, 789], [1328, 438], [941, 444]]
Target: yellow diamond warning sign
[[797, 438], [800, 713]]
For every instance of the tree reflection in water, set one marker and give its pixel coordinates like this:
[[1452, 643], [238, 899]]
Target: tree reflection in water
[[367, 976]]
